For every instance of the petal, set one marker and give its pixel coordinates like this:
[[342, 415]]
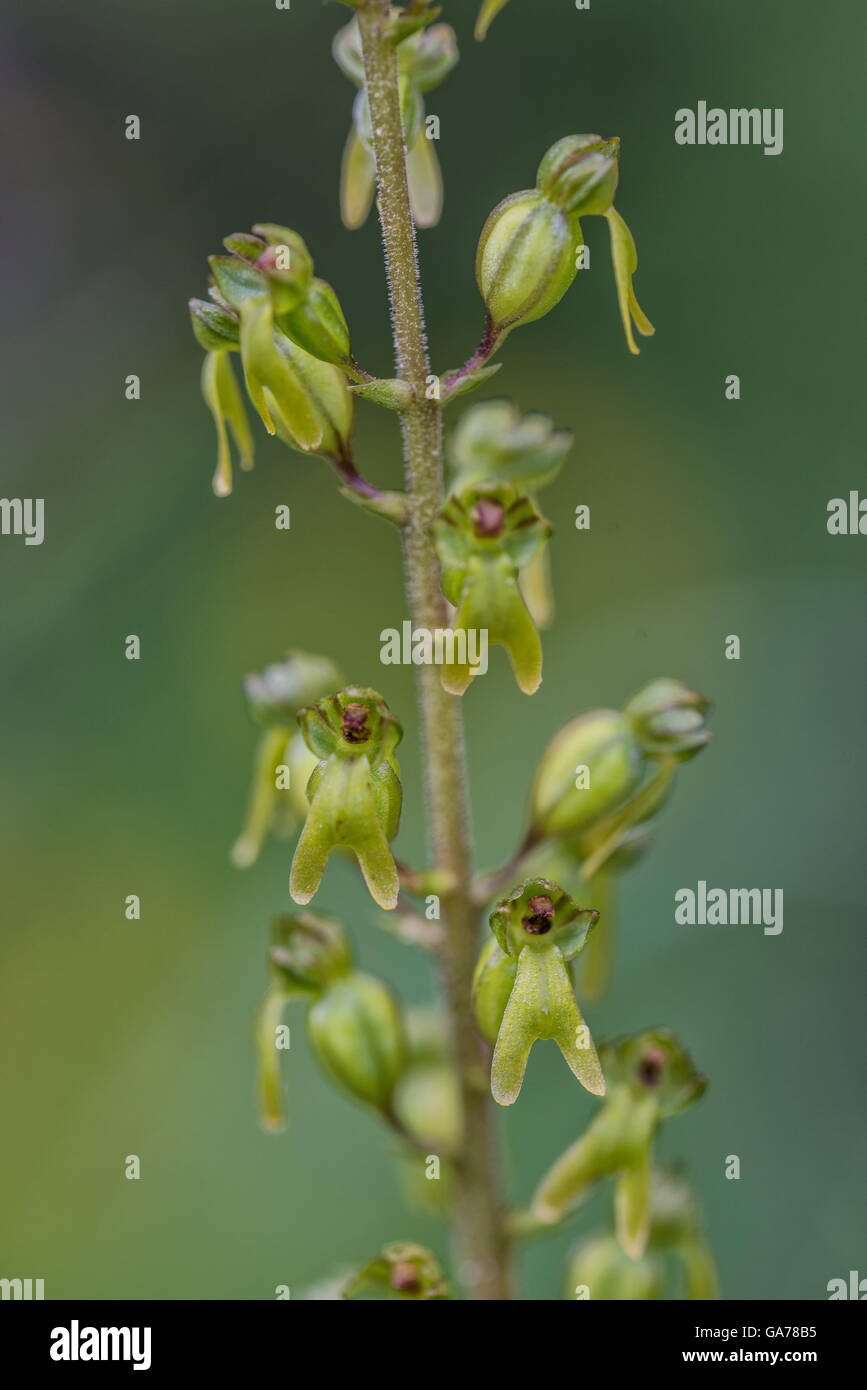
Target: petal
[[632, 1205], [625, 259], [425, 181], [357, 182]]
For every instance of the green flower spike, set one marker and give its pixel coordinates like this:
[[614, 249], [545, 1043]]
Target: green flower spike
[[528, 250], [485, 536], [354, 792], [277, 801], [308, 953], [650, 1078], [541, 928], [402, 1271], [494, 443], [425, 57]]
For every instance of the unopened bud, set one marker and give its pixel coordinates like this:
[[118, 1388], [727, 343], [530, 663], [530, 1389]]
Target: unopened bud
[[589, 768], [356, 1030], [579, 173], [668, 719], [308, 954], [526, 260], [607, 1272]]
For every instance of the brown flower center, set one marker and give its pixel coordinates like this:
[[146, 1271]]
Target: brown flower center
[[487, 517], [651, 1067], [540, 915], [354, 726]]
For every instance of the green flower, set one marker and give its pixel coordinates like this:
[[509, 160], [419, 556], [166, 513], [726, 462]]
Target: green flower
[[403, 1271], [425, 58], [354, 792], [308, 954], [494, 443], [541, 929], [273, 700], [294, 345], [650, 1078], [484, 536]]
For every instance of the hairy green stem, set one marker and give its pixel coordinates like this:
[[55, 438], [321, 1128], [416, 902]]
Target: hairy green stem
[[480, 1235]]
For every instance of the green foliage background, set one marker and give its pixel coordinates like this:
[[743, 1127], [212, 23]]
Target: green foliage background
[[708, 518]]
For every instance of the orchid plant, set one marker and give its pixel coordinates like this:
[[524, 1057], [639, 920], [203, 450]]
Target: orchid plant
[[326, 766]]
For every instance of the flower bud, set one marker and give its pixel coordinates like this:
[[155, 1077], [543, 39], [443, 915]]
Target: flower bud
[[427, 1103], [215, 327], [526, 260], [424, 59], [484, 536], [427, 1032], [527, 254], [668, 719], [564, 803], [579, 173], [600, 1265], [223, 399], [494, 443], [275, 696], [354, 792], [428, 56], [675, 1210], [402, 1271], [317, 324], [541, 927], [308, 954], [287, 265], [357, 1033], [275, 388]]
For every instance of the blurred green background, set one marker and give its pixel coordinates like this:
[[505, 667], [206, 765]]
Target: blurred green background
[[708, 518]]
